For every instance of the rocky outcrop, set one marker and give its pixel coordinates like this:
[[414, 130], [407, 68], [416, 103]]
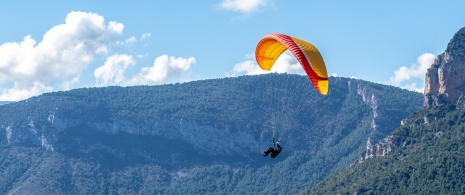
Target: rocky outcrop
[[382, 148], [445, 79], [445, 83]]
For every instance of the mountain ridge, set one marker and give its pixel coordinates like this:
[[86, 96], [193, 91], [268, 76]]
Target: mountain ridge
[[200, 137]]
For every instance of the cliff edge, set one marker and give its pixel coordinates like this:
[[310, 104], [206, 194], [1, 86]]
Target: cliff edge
[[445, 79]]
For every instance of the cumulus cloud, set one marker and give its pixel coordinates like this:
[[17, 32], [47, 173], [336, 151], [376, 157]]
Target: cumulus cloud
[[165, 68], [244, 6], [409, 77], [285, 63], [247, 67], [63, 53], [112, 72], [18, 92]]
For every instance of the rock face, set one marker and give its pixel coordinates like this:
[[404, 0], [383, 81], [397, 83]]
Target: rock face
[[445, 83], [382, 148], [445, 80]]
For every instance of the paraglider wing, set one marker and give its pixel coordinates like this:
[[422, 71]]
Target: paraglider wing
[[270, 47]]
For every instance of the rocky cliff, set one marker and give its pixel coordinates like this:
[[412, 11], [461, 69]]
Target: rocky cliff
[[445, 79], [445, 83]]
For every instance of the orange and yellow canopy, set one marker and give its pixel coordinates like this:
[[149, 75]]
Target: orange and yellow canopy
[[270, 47]]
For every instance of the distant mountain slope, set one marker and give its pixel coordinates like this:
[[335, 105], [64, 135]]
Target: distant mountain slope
[[5, 102], [429, 158], [203, 137]]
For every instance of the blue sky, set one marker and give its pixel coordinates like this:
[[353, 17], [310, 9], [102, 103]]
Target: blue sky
[[61, 45]]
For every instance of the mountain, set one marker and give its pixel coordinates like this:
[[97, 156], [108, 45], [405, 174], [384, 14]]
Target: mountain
[[425, 155], [428, 158], [201, 137]]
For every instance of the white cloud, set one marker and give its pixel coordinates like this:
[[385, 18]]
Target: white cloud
[[413, 87], [131, 40], [19, 93], [334, 75], [244, 6], [64, 52], [407, 77], [163, 70], [112, 72], [285, 63], [145, 36], [247, 67], [67, 85], [116, 27]]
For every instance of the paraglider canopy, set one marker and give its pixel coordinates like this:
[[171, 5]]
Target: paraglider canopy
[[270, 47]]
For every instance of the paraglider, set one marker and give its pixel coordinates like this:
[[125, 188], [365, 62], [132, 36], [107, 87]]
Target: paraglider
[[271, 46], [274, 150]]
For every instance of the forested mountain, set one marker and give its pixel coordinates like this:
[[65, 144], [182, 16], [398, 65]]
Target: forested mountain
[[429, 159], [426, 155], [201, 137]]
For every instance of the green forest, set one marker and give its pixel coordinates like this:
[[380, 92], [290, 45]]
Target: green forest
[[201, 137], [429, 159]]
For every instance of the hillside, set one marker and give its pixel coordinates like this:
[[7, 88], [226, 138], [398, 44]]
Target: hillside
[[202, 137], [429, 159], [424, 155]]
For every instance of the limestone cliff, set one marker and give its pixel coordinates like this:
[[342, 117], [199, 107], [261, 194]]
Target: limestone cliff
[[445, 83], [445, 79]]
